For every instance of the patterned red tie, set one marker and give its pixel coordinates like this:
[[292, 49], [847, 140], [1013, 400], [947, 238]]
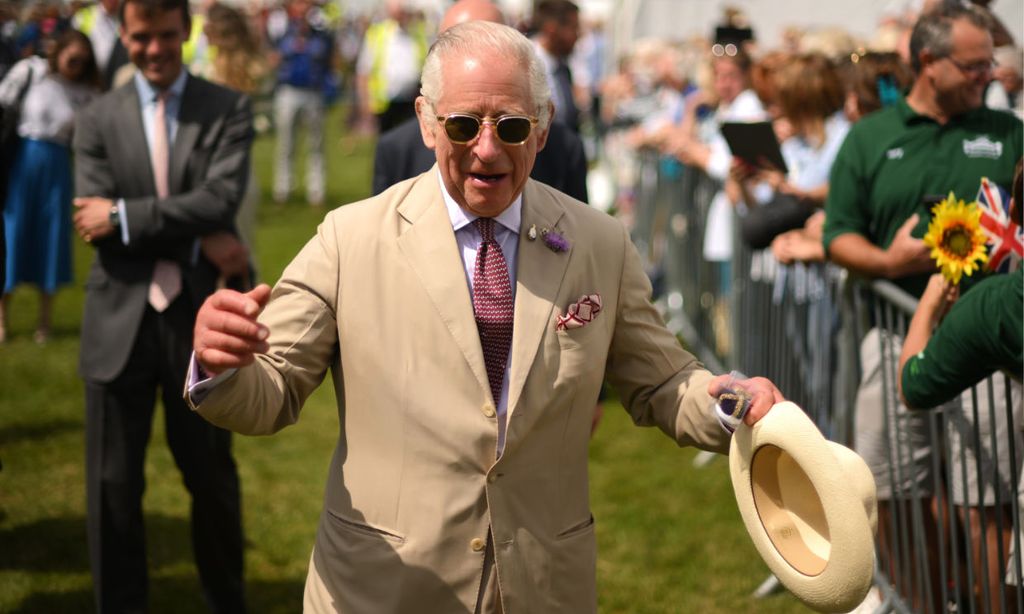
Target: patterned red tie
[[492, 304]]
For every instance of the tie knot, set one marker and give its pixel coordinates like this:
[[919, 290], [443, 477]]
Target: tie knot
[[486, 227]]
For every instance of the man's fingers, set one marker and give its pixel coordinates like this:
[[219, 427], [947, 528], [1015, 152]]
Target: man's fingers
[[235, 344], [236, 302], [215, 361], [228, 323]]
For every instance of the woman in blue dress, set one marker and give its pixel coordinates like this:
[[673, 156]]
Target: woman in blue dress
[[37, 211]]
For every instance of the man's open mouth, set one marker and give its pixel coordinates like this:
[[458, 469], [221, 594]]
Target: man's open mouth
[[487, 178]]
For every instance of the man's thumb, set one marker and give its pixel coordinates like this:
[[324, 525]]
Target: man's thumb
[[260, 294], [910, 223]]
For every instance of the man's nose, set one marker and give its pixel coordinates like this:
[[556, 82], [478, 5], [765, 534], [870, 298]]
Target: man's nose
[[488, 145], [154, 46]]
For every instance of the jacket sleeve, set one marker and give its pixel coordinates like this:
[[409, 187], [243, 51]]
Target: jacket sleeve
[[660, 383], [268, 395]]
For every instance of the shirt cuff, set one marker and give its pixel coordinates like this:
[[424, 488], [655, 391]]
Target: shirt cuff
[[198, 384], [730, 409], [123, 217]]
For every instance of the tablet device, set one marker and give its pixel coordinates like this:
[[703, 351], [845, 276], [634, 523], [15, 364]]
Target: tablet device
[[754, 143]]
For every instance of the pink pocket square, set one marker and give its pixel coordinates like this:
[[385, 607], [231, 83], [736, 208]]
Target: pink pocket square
[[580, 313]]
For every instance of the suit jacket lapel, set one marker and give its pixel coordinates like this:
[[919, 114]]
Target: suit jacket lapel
[[189, 126], [539, 277], [429, 247], [135, 141]]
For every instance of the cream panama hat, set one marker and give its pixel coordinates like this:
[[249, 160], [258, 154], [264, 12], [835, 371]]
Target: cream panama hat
[[809, 506]]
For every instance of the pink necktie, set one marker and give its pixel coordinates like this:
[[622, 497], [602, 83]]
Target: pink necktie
[[166, 282], [493, 305]]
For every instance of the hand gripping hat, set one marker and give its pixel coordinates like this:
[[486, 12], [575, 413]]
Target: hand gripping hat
[[809, 506]]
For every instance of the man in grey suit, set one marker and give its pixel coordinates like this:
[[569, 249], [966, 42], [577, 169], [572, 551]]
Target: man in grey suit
[[160, 168]]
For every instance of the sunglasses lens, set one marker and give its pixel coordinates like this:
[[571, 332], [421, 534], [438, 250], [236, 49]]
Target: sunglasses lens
[[514, 130], [461, 128]]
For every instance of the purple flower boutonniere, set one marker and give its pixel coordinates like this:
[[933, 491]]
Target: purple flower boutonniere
[[555, 241]]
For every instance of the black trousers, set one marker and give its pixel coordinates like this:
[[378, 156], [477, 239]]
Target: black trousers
[[119, 416]]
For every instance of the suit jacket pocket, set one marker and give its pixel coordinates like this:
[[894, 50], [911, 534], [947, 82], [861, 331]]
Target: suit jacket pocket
[[197, 165], [582, 350], [97, 279], [580, 528], [363, 529]]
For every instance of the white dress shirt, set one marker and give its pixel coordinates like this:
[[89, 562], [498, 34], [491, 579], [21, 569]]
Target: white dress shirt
[[147, 105], [506, 233]]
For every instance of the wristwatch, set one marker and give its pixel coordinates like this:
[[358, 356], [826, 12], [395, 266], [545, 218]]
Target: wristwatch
[[115, 216]]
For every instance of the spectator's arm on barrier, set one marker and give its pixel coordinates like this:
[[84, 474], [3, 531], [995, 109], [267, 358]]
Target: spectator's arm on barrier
[[802, 244], [906, 255], [934, 304]]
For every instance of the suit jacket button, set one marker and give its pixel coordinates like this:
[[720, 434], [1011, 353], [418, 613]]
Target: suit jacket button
[[488, 410], [492, 478], [477, 545]]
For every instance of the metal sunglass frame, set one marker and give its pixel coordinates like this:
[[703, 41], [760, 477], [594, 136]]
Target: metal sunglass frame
[[483, 121]]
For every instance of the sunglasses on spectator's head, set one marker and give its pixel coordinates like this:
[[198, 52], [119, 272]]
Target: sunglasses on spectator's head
[[718, 50], [462, 128]]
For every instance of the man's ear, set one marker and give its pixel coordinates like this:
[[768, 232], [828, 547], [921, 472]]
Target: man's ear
[[427, 121], [542, 135], [927, 58]]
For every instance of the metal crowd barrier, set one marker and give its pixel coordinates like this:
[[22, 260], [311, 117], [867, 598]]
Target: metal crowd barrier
[[801, 325]]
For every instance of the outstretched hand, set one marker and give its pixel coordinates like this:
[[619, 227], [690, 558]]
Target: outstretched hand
[[762, 392], [227, 335]]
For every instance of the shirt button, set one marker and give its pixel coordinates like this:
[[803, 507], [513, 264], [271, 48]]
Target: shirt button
[[477, 545], [488, 410]]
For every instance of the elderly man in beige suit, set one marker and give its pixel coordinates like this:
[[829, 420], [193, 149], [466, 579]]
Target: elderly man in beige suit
[[467, 317]]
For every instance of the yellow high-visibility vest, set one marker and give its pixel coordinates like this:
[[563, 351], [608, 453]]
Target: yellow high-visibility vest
[[191, 46], [377, 38]]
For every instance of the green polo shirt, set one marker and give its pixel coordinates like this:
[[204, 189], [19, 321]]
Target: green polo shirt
[[894, 158], [982, 333]]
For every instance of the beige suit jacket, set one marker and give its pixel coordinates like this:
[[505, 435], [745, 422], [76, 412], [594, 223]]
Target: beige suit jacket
[[379, 297]]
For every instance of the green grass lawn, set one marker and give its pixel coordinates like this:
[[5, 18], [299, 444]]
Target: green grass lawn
[[670, 536]]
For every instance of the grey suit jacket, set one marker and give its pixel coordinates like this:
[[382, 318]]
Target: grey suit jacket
[[209, 169]]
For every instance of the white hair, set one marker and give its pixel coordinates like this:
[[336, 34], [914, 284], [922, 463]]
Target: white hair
[[473, 36]]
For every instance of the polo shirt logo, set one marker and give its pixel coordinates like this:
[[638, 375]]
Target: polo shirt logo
[[983, 147], [896, 153]]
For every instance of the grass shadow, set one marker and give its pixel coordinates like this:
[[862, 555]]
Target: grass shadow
[[34, 431], [172, 595], [60, 544]]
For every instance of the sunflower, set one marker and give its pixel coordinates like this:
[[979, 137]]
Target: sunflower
[[956, 238]]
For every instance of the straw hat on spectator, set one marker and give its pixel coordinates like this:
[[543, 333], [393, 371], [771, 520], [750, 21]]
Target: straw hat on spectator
[[809, 506]]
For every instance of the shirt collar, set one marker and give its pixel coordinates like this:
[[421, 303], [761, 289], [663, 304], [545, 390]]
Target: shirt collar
[[147, 93], [511, 218], [910, 116]]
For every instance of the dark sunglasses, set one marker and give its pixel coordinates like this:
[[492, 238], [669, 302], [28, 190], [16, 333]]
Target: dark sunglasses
[[462, 128]]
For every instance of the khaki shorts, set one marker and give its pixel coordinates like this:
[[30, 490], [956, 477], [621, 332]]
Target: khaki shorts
[[965, 441], [895, 442]]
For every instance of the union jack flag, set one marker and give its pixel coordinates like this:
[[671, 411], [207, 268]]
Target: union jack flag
[[1005, 239]]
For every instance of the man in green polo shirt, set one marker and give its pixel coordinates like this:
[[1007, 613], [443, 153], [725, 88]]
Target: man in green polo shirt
[[889, 170]]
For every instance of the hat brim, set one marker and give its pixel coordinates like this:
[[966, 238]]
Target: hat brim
[[808, 505]]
